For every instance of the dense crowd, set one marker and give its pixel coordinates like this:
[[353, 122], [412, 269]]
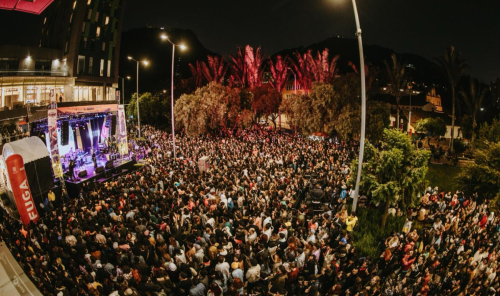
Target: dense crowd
[[269, 217]]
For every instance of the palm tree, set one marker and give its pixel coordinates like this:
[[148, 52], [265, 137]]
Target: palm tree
[[197, 73], [238, 69], [453, 67], [215, 69], [398, 79], [300, 66], [255, 66], [321, 68], [279, 72], [473, 97]]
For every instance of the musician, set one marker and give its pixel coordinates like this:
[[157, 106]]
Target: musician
[[94, 159], [72, 170]]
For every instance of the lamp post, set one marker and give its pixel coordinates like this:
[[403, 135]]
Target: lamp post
[[363, 107], [123, 87], [137, 91], [182, 47]]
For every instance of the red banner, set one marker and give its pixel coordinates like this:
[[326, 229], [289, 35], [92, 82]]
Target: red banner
[[21, 189]]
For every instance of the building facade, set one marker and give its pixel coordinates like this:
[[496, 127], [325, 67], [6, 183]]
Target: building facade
[[76, 60]]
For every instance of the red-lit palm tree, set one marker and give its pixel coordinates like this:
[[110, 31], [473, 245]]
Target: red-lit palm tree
[[254, 61], [299, 64], [238, 69], [279, 72], [371, 73], [197, 73], [320, 67], [215, 69]]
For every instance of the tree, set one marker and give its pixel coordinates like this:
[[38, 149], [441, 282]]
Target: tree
[[215, 69], [473, 95], [483, 176], [238, 69], [152, 108], [197, 74], [489, 133], [279, 72], [254, 61], [208, 109], [300, 65], [392, 172], [266, 102], [321, 68], [398, 81], [433, 127], [453, 67]]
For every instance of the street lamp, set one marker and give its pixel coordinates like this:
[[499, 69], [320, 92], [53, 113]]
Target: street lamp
[[137, 90], [182, 47], [363, 107], [123, 87]]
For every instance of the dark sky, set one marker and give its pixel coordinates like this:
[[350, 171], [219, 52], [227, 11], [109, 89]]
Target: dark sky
[[424, 27]]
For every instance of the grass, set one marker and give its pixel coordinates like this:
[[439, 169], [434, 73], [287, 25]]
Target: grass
[[369, 235], [443, 176]]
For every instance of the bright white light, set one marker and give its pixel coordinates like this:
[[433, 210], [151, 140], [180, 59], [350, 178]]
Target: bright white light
[[129, 57], [145, 63], [164, 36], [182, 46]]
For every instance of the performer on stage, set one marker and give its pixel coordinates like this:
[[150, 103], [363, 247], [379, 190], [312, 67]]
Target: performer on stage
[[72, 170], [94, 159]]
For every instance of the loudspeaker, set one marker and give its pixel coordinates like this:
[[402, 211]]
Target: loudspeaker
[[99, 170], [109, 164], [64, 133], [82, 174], [113, 125]]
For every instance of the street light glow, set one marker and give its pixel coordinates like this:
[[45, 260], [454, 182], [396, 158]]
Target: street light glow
[[128, 77], [182, 46], [129, 57], [164, 36], [145, 63]]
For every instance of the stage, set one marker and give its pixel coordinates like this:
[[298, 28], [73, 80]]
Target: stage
[[120, 167]]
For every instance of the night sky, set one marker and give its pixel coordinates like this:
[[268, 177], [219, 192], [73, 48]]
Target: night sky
[[424, 27]]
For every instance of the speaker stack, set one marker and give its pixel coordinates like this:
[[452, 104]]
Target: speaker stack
[[65, 133], [113, 125]]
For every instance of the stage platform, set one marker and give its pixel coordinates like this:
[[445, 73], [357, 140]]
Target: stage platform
[[121, 167]]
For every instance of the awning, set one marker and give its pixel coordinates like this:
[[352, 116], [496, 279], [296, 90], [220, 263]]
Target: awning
[[29, 6], [30, 149]]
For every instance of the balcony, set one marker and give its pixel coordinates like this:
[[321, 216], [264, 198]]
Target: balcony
[[56, 73]]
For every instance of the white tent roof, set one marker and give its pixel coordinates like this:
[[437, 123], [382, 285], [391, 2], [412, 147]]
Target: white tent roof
[[30, 149]]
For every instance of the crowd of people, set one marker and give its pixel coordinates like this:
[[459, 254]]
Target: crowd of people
[[268, 217]]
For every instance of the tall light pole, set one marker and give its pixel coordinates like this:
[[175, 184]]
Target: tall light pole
[[137, 93], [182, 47], [363, 107], [123, 88]]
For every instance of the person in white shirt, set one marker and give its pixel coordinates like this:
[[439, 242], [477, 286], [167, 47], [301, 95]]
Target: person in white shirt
[[223, 267]]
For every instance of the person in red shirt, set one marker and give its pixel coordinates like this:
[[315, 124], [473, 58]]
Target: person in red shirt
[[407, 261]]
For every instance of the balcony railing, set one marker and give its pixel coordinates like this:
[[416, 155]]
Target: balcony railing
[[33, 73]]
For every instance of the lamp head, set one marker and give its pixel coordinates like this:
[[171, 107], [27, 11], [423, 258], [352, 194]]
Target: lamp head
[[182, 46], [145, 63], [129, 57], [164, 36], [128, 77]]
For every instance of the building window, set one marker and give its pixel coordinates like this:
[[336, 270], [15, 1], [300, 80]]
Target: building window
[[89, 2], [89, 15], [96, 16], [81, 65], [91, 62], [98, 32], [84, 42], [83, 27], [66, 47], [71, 18], [44, 20], [104, 46], [101, 72], [109, 68], [106, 22], [74, 4]]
